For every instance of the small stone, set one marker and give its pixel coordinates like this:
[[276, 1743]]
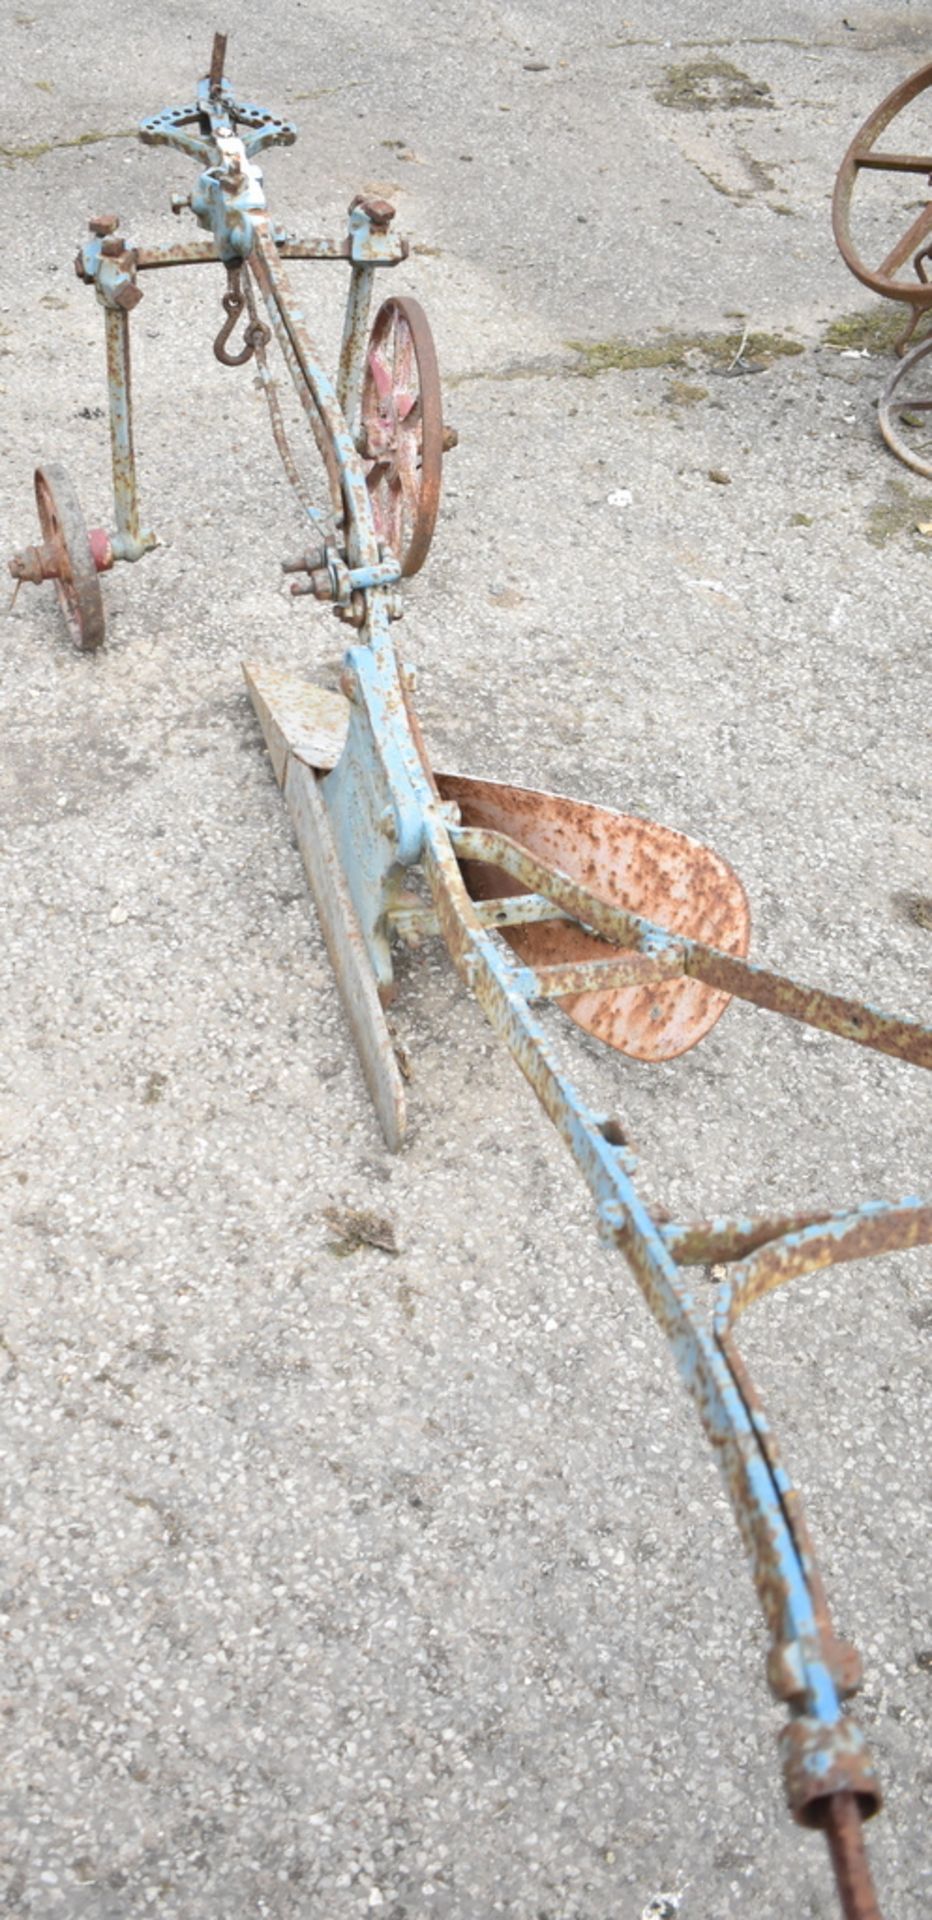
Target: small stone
[[720, 477], [118, 915]]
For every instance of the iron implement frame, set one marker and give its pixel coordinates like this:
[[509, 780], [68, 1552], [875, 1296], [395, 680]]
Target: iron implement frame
[[639, 934]]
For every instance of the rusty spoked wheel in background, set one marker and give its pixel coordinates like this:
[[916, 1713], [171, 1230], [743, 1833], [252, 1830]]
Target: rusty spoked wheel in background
[[402, 430], [914, 243], [69, 557], [904, 412]]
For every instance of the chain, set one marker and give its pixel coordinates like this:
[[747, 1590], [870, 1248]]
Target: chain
[[269, 386]]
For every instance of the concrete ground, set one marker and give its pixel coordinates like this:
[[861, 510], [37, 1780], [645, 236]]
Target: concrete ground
[[341, 1579]]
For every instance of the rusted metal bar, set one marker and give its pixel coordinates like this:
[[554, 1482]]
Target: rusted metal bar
[[414, 923], [848, 1019], [845, 1835], [879, 1227], [319, 399], [218, 55], [127, 541], [906, 245], [895, 162], [626, 970], [305, 393], [697, 1243], [353, 344], [203, 253]]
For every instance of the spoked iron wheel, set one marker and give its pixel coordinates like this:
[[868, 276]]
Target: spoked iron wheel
[[402, 430], [68, 549], [913, 246], [904, 411]]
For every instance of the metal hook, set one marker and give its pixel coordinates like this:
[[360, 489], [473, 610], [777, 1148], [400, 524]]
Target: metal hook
[[233, 303]]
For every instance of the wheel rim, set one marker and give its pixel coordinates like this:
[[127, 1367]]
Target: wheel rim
[[65, 534], [895, 402], [402, 427], [862, 154]]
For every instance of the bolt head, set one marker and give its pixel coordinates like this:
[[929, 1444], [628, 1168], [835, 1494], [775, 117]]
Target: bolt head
[[379, 213], [103, 223], [128, 297]]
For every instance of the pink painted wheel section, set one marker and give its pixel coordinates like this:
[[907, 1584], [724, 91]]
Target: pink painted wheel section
[[402, 430]]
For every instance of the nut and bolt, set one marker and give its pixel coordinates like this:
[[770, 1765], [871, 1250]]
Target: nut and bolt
[[379, 213], [128, 296], [102, 224]]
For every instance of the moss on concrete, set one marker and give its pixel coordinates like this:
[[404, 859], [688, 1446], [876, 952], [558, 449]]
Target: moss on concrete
[[671, 350], [43, 147], [872, 329], [701, 86], [680, 394], [901, 512]]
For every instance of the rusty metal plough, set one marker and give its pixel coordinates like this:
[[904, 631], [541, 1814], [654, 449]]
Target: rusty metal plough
[[638, 933]]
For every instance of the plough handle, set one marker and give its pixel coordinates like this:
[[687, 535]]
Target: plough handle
[[849, 1019]]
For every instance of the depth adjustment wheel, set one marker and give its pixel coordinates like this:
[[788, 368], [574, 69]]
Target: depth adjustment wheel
[[402, 438], [70, 557]]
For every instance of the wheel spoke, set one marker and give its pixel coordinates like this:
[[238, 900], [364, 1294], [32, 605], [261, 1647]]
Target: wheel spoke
[[907, 243], [381, 373], [406, 372], [402, 430], [893, 162], [406, 467]]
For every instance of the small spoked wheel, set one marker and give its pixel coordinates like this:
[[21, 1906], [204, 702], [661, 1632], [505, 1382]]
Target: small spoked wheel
[[904, 411], [402, 430], [68, 551]]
